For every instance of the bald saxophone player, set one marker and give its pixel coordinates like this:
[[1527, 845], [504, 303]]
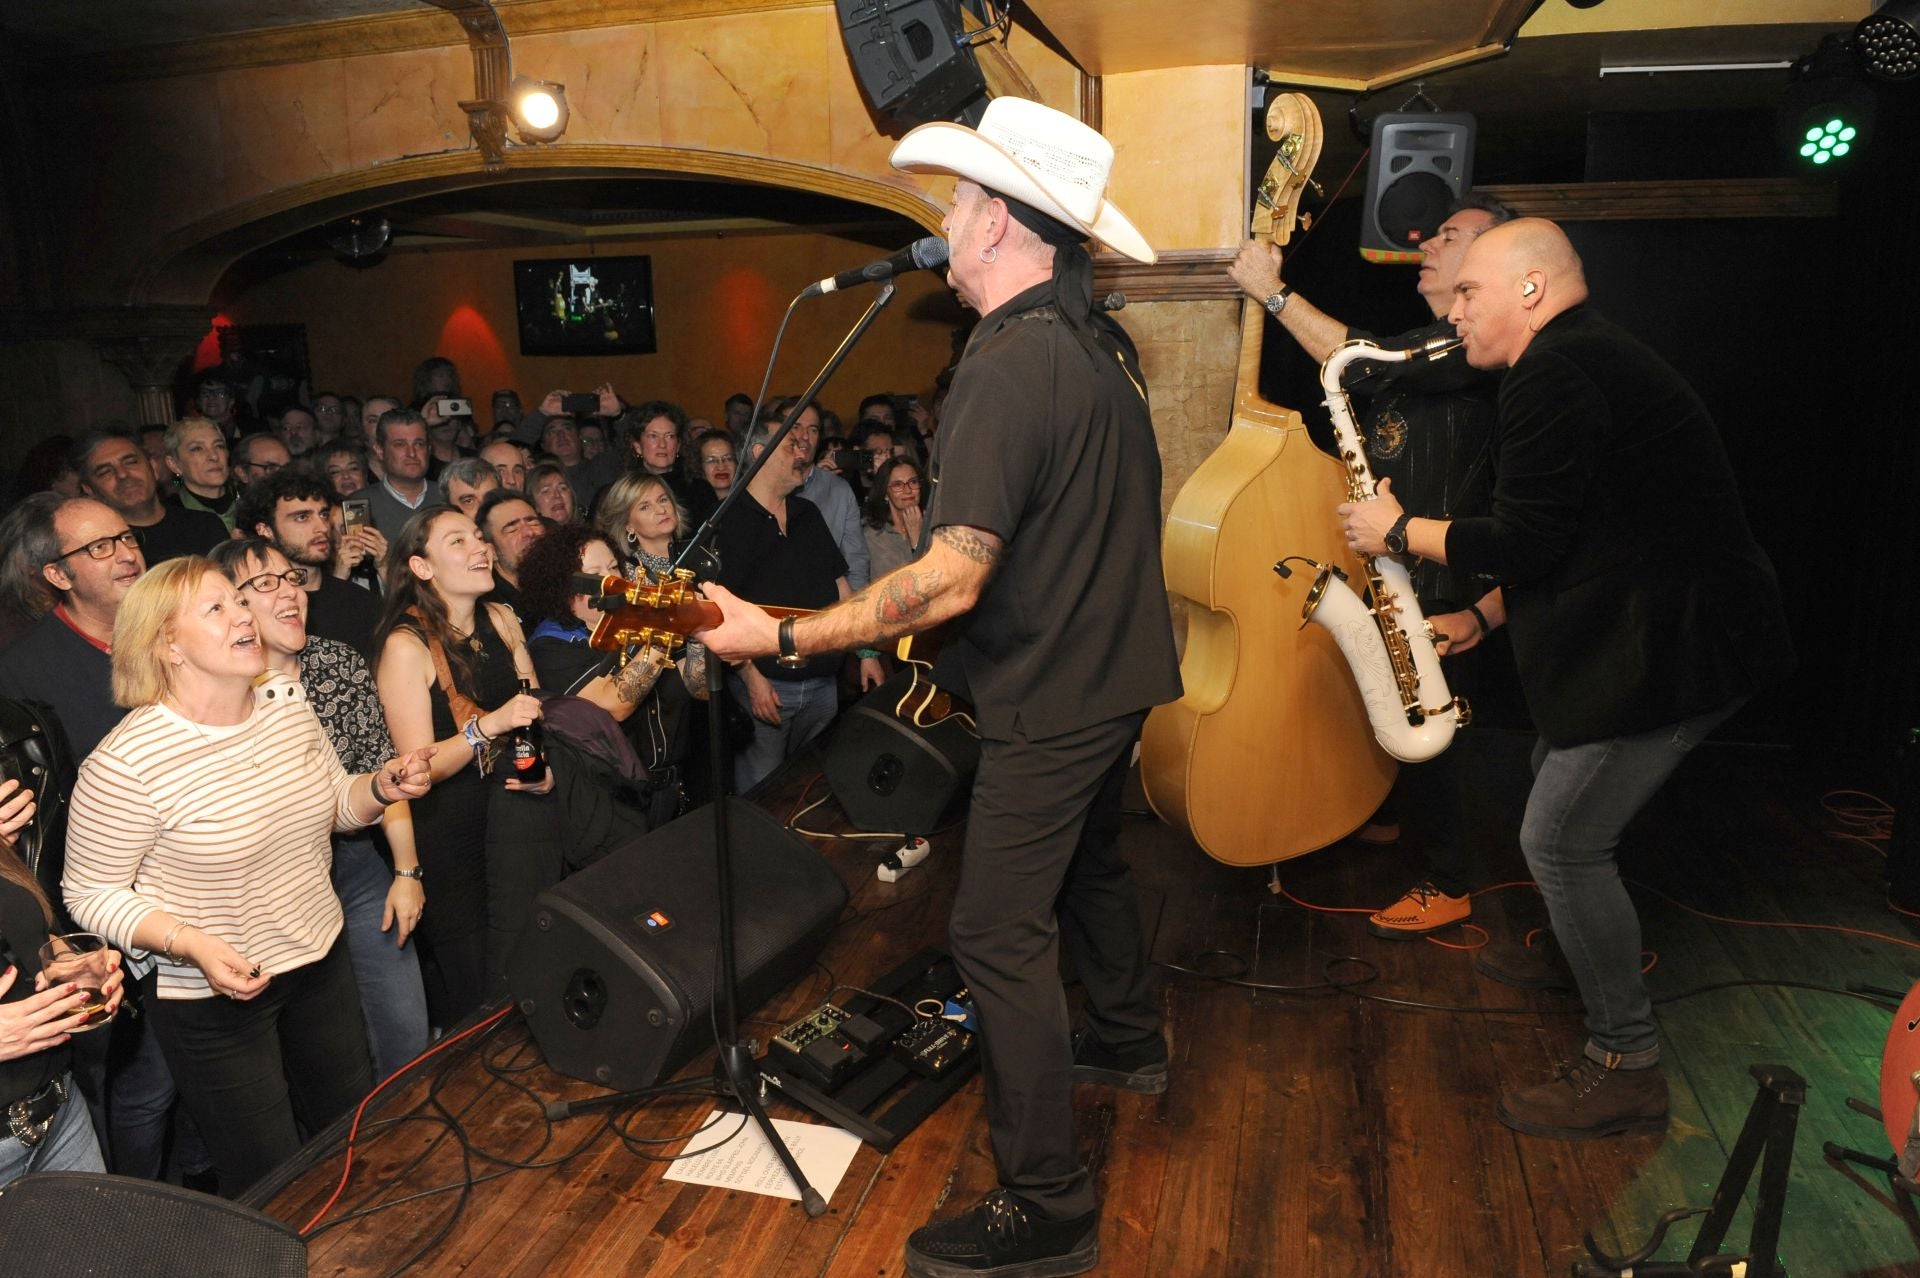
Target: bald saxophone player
[[1045, 546], [1642, 614]]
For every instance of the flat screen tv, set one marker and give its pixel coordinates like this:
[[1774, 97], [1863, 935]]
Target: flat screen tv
[[585, 305]]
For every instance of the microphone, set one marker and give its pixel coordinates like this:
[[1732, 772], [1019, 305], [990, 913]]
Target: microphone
[[921, 255]]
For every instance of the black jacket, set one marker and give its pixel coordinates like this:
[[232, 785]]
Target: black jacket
[[1636, 593]]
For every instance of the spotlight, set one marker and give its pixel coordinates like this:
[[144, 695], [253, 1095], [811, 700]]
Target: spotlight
[[538, 108], [1827, 111], [1889, 41]]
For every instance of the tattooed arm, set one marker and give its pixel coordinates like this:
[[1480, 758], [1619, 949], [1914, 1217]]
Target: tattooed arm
[[940, 585]]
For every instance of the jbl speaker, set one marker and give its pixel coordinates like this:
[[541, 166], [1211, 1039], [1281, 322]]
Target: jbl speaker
[[89, 1223], [910, 59], [1420, 166], [892, 776], [618, 968]]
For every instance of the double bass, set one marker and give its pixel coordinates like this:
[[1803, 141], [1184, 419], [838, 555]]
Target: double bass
[[1269, 754]]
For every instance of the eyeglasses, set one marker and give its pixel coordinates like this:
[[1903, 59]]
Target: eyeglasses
[[268, 582], [725, 459], [103, 547], [903, 485]]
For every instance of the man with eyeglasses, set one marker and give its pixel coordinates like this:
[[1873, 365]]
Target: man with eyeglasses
[[1428, 430], [257, 456], [296, 512], [86, 553], [115, 469]]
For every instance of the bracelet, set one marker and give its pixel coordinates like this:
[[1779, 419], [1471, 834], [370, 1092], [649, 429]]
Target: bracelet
[[867, 654], [1480, 617], [373, 788], [166, 946]]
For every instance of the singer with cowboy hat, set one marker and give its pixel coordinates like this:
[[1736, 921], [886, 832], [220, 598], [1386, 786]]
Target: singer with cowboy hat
[[1045, 553]]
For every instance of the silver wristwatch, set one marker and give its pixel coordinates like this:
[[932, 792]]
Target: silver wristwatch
[[416, 873], [1277, 301]]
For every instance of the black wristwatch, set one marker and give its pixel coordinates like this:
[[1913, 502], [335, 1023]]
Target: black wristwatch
[[1396, 538], [1276, 301], [790, 657]]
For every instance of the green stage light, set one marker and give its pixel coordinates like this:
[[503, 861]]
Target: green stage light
[[1827, 110]]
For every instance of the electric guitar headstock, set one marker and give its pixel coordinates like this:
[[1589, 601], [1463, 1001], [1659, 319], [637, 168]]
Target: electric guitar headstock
[[1294, 122]]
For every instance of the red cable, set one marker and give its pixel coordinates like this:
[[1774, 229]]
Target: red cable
[[353, 1133]]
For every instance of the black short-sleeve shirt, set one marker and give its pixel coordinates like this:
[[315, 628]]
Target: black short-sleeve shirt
[[1046, 440], [797, 569]]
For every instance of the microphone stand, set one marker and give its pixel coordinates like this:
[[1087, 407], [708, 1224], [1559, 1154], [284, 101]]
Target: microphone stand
[[735, 1069]]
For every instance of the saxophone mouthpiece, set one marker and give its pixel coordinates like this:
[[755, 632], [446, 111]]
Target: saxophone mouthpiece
[[1438, 347]]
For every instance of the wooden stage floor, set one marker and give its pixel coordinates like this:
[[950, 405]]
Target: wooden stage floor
[[1304, 1134]]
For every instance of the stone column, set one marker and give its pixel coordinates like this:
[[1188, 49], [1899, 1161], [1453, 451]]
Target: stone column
[[147, 344]]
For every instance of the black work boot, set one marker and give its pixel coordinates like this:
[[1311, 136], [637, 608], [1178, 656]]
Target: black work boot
[[1004, 1237], [1536, 964], [1588, 1099]]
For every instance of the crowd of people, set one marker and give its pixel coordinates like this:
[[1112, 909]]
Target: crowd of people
[[289, 654]]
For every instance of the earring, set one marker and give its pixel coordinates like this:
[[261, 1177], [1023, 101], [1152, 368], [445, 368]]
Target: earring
[[990, 254], [633, 541]]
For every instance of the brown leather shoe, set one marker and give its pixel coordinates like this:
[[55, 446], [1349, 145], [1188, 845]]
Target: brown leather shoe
[[1425, 908], [1536, 964], [1589, 1100]]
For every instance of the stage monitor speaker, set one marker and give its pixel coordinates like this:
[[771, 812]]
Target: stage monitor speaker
[[617, 970], [911, 61], [89, 1223], [892, 776], [1420, 166]]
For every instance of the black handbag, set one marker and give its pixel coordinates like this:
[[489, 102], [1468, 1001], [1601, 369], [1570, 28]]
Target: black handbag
[[34, 752]]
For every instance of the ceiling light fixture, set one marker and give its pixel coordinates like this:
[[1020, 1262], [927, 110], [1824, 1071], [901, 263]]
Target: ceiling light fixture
[[1889, 41], [1827, 110], [535, 109]]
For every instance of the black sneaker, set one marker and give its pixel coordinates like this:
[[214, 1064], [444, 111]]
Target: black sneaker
[[1004, 1237], [1142, 1068]]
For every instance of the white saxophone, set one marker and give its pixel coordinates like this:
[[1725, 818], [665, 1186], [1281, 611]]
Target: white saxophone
[[1389, 645]]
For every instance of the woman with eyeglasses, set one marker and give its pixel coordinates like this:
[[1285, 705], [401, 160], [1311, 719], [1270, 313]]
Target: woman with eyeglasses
[[449, 672], [895, 511], [382, 904], [716, 460], [200, 841], [47, 1127]]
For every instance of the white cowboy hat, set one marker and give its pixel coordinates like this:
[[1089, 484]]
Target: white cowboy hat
[[1034, 154]]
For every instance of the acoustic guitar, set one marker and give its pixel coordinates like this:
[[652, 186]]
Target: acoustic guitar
[[1269, 754]]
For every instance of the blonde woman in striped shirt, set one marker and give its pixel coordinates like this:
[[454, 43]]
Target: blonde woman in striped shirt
[[198, 843]]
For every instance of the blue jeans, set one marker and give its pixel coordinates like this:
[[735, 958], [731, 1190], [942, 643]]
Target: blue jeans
[[391, 995], [69, 1144], [807, 706], [1582, 799]]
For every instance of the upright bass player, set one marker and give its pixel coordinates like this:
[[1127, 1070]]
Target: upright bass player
[[1426, 433]]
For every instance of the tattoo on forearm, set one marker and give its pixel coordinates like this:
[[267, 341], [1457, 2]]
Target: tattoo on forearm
[[636, 678], [969, 543], [905, 596]]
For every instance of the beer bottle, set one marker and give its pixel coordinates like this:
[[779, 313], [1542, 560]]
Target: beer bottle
[[529, 754]]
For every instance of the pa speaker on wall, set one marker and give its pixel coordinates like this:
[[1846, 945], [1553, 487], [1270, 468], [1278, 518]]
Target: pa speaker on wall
[[911, 59], [893, 776], [88, 1223], [1420, 166], [616, 972]]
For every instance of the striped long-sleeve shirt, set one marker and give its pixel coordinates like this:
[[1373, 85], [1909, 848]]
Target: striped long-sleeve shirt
[[224, 828]]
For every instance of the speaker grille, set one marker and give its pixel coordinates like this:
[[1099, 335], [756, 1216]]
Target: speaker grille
[[83, 1223]]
